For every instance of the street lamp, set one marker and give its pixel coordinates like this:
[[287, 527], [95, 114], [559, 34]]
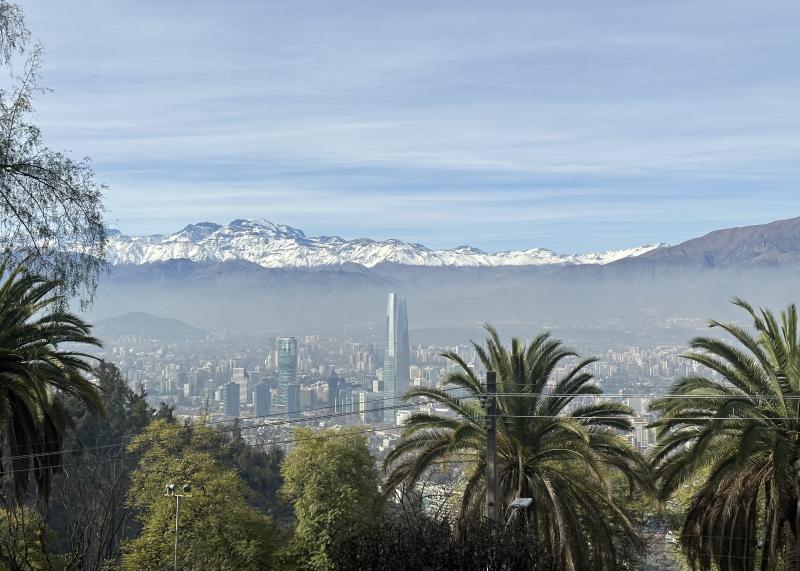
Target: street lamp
[[177, 492], [518, 505]]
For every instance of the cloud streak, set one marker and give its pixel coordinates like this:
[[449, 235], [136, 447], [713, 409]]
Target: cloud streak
[[584, 125]]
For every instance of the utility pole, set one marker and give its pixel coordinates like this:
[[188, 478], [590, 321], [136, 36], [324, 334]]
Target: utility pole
[[173, 491], [492, 507], [177, 517]]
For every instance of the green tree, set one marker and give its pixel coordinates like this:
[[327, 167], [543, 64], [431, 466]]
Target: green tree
[[331, 480], [20, 546], [734, 435], [126, 411], [260, 469], [551, 448], [218, 530], [88, 511], [51, 209], [35, 372]]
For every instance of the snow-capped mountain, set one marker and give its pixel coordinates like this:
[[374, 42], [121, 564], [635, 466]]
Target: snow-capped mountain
[[277, 246]]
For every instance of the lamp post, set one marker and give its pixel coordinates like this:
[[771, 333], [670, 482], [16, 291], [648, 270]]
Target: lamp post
[[490, 400], [173, 491], [518, 505]]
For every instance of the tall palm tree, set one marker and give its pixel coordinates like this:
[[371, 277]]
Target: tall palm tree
[[549, 447], [735, 437], [35, 371]]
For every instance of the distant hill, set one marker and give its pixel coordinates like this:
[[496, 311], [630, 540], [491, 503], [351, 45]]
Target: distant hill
[[146, 325], [773, 244]]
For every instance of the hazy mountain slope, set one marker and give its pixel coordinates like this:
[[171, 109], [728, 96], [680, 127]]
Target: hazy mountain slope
[[758, 263], [145, 325], [776, 243]]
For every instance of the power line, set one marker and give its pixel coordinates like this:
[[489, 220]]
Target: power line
[[651, 396], [603, 396], [178, 426], [232, 421], [285, 422], [341, 434]]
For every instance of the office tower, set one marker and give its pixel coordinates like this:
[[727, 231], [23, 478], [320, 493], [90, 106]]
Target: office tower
[[286, 348], [293, 400], [334, 384], [239, 376], [232, 400], [254, 378], [262, 399], [347, 400], [395, 360], [370, 407]]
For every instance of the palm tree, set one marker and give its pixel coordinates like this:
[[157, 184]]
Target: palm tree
[[550, 448], [35, 371], [734, 437]]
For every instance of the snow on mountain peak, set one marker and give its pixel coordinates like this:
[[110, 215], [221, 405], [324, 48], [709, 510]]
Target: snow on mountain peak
[[278, 246]]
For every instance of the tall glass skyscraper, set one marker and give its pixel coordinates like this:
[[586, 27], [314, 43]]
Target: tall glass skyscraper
[[231, 396], [262, 399], [287, 367], [395, 361]]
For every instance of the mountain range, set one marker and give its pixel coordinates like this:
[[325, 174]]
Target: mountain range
[[277, 246], [254, 274]]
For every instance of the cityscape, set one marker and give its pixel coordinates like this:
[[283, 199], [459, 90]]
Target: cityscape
[[410, 286], [263, 380]]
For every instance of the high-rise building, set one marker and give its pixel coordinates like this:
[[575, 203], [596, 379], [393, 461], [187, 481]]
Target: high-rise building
[[286, 348], [334, 384], [262, 399], [293, 400], [232, 400], [395, 360], [240, 377], [370, 407]]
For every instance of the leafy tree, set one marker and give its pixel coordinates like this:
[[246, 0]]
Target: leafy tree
[[35, 371], [218, 530], [51, 207], [735, 437], [331, 480], [260, 470], [551, 448], [166, 413], [126, 411], [20, 546], [88, 511]]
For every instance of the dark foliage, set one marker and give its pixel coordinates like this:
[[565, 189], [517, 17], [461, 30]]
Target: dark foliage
[[403, 543], [36, 374], [260, 469], [88, 512]]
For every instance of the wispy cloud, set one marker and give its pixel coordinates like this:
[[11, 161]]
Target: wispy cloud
[[574, 126]]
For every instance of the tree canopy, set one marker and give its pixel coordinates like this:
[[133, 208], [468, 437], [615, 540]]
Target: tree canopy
[[331, 480], [36, 371], [51, 206], [552, 447], [733, 433], [218, 530]]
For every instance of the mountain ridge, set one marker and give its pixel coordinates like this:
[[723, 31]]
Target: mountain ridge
[[278, 246]]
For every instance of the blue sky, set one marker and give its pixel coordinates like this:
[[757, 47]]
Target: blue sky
[[569, 125]]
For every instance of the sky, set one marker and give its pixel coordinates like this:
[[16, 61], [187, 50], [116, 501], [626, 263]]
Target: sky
[[573, 125]]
